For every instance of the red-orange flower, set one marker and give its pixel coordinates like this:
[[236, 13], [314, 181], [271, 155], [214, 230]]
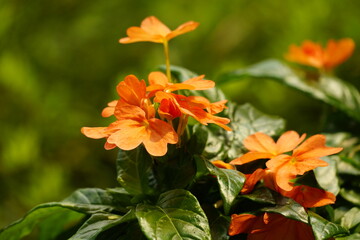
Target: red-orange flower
[[269, 226], [252, 179], [153, 30], [312, 54], [172, 104], [262, 146], [306, 157], [132, 128]]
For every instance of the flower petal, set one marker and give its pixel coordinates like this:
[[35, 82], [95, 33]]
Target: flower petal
[[136, 34], [260, 142], [160, 133], [251, 156], [241, 223], [130, 134], [314, 147], [95, 132], [183, 28], [288, 141], [199, 83], [154, 26], [338, 52]]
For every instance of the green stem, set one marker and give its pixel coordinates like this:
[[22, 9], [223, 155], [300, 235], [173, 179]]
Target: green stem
[[167, 60]]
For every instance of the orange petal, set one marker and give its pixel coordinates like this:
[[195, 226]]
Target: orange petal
[[154, 26], [130, 135], [314, 147], [338, 52], [252, 179], [95, 132], [159, 135], [222, 164], [109, 110], [217, 107], [241, 223], [127, 111], [136, 34], [199, 83], [288, 141], [158, 78], [250, 156], [260, 142], [183, 28], [310, 197]]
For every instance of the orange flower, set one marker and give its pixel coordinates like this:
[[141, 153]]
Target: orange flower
[[133, 128], [222, 164], [312, 54], [159, 82], [307, 196], [269, 226], [262, 146], [306, 157], [153, 30]]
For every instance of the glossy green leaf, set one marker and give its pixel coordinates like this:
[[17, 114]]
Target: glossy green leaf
[[177, 215], [261, 195], [351, 195], [351, 218], [327, 176], [99, 223], [355, 236], [230, 182], [288, 208], [330, 90], [90, 200], [51, 219], [219, 228], [134, 170], [323, 229]]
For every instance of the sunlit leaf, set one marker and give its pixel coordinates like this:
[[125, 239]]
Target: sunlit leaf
[[330, 90], [327, 176], [230, 182], [177, 215], [50, 218], [351, 218]]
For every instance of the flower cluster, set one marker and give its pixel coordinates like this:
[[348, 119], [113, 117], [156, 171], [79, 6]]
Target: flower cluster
[[279, 175], [145, 114]]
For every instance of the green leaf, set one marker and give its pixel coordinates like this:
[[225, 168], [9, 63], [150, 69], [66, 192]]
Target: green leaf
[[99, 223], [288, 208], [330, 90], [230, 182], [90, 200], [219, 228], [351, 218], [261, 195], [351, 195], [355, 236], [327, 176], [177, 215], [323, 229], [50, 218], [134, 170]]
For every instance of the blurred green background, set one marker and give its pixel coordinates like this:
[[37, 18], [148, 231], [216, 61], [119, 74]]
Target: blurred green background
[[60, 62]]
